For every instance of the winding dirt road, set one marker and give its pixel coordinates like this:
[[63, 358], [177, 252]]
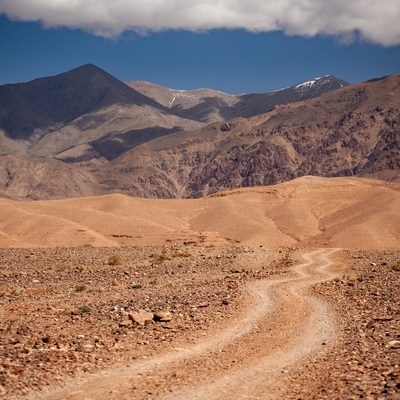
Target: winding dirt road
[[282, 325]]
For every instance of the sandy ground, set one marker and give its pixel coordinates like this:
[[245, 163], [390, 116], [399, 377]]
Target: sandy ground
[[310, 211]]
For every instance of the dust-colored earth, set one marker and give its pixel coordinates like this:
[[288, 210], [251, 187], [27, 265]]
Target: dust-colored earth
[[301, 318]]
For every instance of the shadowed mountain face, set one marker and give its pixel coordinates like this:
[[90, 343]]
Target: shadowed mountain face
[[49, 102], [84, 132]]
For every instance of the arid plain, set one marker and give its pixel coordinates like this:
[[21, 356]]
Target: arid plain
[[286, 291]]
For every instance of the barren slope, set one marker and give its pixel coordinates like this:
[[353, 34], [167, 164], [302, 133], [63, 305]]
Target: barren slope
[[335, 212], [206, 105], [82, 114]]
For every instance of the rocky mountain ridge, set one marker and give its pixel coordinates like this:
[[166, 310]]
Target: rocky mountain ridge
[[145, 140], [208, 105], [349, 132]]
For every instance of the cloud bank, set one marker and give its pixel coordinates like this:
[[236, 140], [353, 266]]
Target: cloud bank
[[375, 21]]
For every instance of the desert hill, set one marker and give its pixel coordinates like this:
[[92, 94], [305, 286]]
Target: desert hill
[[309, 211]]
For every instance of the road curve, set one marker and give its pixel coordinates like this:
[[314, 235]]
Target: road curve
[[248, 360]]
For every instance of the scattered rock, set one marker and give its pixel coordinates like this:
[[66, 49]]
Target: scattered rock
[[141, 317], [394, 344], [162, 316], [126, 322], [46, 332]]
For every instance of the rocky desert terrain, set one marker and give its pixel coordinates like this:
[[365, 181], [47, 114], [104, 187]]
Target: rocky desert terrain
[[288, 291]]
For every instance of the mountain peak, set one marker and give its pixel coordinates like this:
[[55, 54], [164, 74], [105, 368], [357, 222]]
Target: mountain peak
[[317, 86], [86, 69], [62, 98]]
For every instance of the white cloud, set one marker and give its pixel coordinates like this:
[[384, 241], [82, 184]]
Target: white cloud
[[376, 21]]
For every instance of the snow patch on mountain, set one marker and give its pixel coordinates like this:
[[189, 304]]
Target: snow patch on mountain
[[314, 84], [305, 84]]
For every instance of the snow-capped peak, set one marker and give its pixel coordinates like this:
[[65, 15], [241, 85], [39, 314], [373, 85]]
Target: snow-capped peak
[[306, 84], [311, 82]]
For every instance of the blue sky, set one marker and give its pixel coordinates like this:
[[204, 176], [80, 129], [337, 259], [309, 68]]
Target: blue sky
[[233, 58]]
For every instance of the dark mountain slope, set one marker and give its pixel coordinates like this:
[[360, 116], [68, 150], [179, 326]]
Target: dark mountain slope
[[47, 102]]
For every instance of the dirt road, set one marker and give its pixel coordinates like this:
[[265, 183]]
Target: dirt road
[[281, 325]]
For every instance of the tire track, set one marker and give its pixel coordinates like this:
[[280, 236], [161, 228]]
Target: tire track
[[283, 326], [263, 378]]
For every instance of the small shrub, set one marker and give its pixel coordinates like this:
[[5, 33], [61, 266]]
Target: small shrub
[[80, 288], [114, 260], [84, 309], [396, 267], [181, 254], [136, 286], [17, 291], [82, 268], [159, 259], [63, 267], [160, 305]]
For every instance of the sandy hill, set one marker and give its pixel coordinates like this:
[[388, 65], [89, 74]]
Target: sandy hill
[[309, 211]]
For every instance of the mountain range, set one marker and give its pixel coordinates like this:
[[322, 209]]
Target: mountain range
[[84, 132]]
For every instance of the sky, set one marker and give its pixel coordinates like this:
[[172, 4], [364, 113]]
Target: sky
[[235, 46]]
